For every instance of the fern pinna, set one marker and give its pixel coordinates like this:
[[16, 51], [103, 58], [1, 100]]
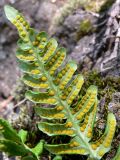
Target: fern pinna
[[41, 59]]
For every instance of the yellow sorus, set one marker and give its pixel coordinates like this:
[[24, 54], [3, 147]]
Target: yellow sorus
[[88, 107], [69, 132], [21, 19], [38, 38], [92, 100], [59, 62], [112, 122], [59, 108], [36, 99], [81, 114], [58, 132], [82, 129], [107, 142], [24, 23], [23, 34], [62, 55], [30, 83], [44, 39], [94, 146], [1, 127], [46, 130], [85, 110], [63, 83], [44, 85], [50, 63], [44, 78], [80, 106], [14, 21], [63, 97], [78, 86], [30, 51], [31, 58], [89, 135], [35, 71], [56, 56], [59, 115], [63, 72], [27, 26], [106, 145], [53, 68], [73, 95], [84, 126], [101, 152], [68, 124], [20, 28], [52, 60], [51, 100], [82, 151], [62, 87], [52, 49], [51, 93], [71, 70], [41, 46], [74, 144], [69, 89], [101, 140], [66, 93], [94, 93], [57, 81], [84, 98], [98, 143], [86, 118], [56, 66], [112, 129], [90, 130], [17, 25], [18, 17], [111, 132], [71, 98], [58, 53], [35, 43], [61, 58], [79, 117], [69, 101], [75, 151], [51, 72]]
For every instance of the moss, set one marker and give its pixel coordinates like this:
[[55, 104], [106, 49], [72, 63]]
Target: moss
[[106, 87], [94, 5], [107, 5], [85, 28], [99, 6]]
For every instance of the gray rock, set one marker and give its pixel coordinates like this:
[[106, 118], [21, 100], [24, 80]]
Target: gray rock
[[83, 47], [67, 33]]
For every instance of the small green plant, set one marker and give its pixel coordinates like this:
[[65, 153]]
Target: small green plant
[[54, 85], [13, 143]]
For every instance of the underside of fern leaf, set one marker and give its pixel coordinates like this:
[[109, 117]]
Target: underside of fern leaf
[[55, 84]]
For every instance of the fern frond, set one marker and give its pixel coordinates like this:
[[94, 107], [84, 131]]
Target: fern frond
[[41, 60], [13, 143]]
